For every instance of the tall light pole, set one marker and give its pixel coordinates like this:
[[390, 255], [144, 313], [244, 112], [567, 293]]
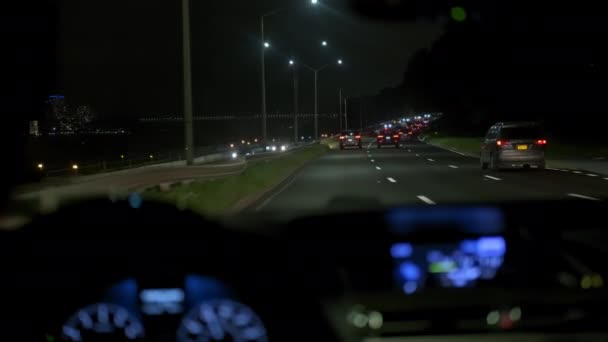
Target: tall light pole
[[188, 130], [316, 113], [295, 100], [339, 110], [345, 112], [264, 46]]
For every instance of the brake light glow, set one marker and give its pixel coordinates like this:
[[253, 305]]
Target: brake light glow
[[396, 136], [501, 143], [341, 137], [380, 136], [541, 142], [410, 133], [400, 133], [357, 137]]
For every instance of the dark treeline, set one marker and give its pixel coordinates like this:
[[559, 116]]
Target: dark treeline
[[511, 61]]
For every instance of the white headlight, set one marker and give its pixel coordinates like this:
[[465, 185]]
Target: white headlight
[[283, 148], [234, 155], [274, 148], [267, 148]]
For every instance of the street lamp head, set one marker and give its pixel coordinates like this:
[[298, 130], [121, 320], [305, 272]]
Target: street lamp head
[[266, 44], [291, 62], [339, 61], [314, 2], [324, 43]]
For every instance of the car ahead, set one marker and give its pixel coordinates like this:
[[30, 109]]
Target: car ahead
[[350, 139], [513, 145], [388, 137]]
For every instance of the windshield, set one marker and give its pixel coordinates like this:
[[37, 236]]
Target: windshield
[[234, 92], [407, 147]]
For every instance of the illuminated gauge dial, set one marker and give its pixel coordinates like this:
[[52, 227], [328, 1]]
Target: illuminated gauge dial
[[221, 320], [102, 322]]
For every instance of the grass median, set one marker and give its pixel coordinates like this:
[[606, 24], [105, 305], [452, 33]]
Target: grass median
[[555, 149], [469, 145], [215, 197]]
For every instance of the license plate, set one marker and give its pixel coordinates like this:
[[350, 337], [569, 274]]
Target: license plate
[[350, 140], [522, 147]]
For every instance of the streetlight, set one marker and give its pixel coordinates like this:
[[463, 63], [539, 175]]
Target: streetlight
[[266, 45], [295, 100], [316, 114], [324, 43]]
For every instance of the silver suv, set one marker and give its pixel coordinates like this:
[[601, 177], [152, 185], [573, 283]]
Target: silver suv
[[513, 145]]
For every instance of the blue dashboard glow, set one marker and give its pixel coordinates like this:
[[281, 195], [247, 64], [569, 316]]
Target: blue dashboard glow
[[401, 250], [219, 320], [459, 264], [160, 301], [199, 288], [124, 293], [410, 271]]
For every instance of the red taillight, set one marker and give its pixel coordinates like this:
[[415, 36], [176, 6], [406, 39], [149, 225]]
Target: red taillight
[[341, 137], [541, 142], [396, 136], [357, 137], [501, 143], [380, 136], [410, 133], [400, 133]]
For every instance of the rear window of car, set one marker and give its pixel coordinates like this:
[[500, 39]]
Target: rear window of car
[[350, 133], [524, 132]]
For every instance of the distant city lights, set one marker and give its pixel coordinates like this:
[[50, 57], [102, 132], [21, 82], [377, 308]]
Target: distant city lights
[[40, 166], [74, 166]]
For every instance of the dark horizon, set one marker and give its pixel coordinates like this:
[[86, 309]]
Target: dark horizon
[[128, 61]]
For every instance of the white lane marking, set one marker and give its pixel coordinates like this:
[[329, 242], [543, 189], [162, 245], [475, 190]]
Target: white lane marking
[[378, 168], [563, 170], [417, 155], [606, 178], [431, 160], [426, 200], [584, 197], [372, 160], [391, 180], [453, 166], [577, 172], [369, 156], [591, 175], [492, 177], [552, 169]]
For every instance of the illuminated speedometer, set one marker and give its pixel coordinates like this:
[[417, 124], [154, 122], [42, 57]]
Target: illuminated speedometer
[[102, 322], [221, 320]]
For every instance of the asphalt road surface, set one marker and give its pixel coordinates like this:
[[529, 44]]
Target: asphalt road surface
[[417, 173]]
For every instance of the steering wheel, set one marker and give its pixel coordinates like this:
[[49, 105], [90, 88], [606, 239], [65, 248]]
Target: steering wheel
[[64, 261]]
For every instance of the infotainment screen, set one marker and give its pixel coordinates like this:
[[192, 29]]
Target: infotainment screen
[[447, 265]]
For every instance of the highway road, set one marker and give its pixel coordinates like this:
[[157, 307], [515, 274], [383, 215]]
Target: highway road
[[418, 173]]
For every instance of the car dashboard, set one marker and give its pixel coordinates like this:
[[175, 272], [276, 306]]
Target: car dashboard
[[107, 271]]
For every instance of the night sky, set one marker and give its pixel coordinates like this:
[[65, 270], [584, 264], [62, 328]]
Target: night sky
[[124, 57]]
